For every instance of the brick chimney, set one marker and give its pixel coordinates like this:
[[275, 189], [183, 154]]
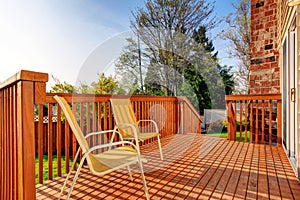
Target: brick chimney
[[265, 73]]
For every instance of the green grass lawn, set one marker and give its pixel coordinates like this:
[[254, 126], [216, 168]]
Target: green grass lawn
[[54, 167], [224, 134]]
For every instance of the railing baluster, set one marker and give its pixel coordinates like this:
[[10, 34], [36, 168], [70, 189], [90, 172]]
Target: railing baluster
[[15, 145], [81, 117], [40, 142], [251, 121], [99, 138], [235, 118], [6, 153], [2, 139], [74, 141], [110, 119], [110, 116], [143, 116], [88, 117], [263, 121], [9, 144], [246, 121], [279, 122], [94, 123], [58, 141], [105, 115], [67, 145], [241, 120], [50, 140], [256, 122], [270, 122], [81, 121], [103, 137]]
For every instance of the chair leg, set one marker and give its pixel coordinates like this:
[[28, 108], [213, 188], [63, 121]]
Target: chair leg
[[68, 176], [75, 178], [143, 178], [130, 174], [160, 149]]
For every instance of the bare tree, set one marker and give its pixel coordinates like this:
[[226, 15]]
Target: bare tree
[[159, 26], [129, 67], [238, 34]]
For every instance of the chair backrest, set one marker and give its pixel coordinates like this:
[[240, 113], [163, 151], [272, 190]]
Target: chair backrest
[[124, 114], [72, 122]]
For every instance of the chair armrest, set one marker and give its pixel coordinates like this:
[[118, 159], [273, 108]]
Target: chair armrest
[[102, 132], [111, 145], [149, 120]]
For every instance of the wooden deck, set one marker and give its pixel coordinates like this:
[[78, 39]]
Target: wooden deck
[[195, 167]]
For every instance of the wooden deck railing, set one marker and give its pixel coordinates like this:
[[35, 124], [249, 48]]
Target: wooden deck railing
[[256, 118], [31, 127], [17, 167], [93, 112], [189, 117]]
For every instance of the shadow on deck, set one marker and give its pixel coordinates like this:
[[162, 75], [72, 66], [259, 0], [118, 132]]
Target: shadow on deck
[[195, 167]]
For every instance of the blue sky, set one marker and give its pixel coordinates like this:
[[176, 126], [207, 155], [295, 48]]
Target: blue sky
[[57, 37]]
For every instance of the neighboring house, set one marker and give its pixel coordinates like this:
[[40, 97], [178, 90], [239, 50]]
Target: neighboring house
[[275, 67]]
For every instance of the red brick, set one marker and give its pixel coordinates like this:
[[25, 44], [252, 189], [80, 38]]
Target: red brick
[[255, 91], [264, 32], [266, 90], [260, 26]]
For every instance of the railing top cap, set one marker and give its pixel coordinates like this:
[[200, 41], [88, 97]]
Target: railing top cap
[[25, 75], [253, 97]]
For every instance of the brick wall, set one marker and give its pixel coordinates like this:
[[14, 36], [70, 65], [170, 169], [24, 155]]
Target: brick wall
[[265, 73]]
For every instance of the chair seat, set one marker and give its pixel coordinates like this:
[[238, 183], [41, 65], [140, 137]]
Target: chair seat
[[143, 136], [114, 159]]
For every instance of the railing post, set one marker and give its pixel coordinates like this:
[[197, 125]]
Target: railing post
[[231, 122], [25, 88]]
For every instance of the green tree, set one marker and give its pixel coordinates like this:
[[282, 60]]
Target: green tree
[[239, 36], [196, 72], [227, 78], [208, 88], [61, 87], [84, 89], [104, 85]]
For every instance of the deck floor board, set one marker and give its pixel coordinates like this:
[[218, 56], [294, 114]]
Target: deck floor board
[[195, 167]]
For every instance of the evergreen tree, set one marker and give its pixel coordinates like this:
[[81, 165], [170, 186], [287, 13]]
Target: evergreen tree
[[196, 76]]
